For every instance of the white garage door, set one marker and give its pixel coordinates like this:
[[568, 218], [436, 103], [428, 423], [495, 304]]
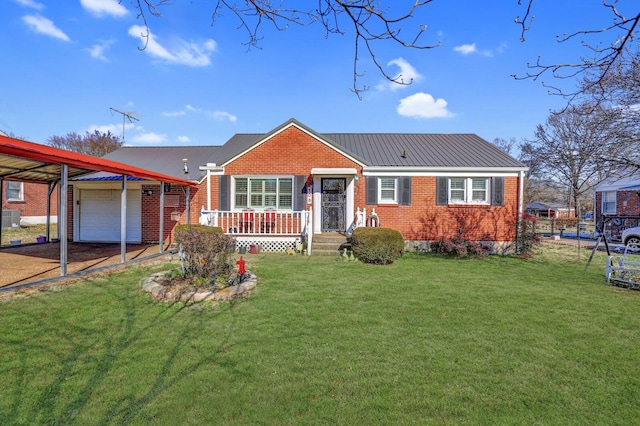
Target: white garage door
[[100, 215]]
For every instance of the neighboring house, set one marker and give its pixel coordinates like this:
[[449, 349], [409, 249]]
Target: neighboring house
[[618, 200], [551, 211], [25, 203]]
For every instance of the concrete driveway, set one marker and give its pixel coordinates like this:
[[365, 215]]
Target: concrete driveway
[[35, 262]]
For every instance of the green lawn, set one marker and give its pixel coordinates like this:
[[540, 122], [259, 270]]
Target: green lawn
[[427, 340], [28, 234]]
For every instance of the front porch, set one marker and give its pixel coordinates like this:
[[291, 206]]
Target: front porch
[[267, 231], [275, 231]]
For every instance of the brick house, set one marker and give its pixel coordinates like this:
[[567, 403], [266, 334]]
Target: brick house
[[617, 203], [28, 201], [290, 183]]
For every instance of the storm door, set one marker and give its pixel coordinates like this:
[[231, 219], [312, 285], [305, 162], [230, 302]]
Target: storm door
[[333, 204]]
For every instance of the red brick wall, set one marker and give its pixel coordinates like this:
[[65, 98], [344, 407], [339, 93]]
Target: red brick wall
[[627, 204], [151, 215], [289, 152], [70, 203], [34, 202], [424, 220]]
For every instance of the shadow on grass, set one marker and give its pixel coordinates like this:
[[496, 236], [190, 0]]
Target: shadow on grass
[[72, 348]]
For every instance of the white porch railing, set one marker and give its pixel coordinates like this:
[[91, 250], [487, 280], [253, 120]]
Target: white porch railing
[[263, 223]]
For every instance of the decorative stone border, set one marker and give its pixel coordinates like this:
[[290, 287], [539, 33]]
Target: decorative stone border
[[151, 285]]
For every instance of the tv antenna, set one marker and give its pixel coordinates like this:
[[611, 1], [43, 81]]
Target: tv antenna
[[126, 115]]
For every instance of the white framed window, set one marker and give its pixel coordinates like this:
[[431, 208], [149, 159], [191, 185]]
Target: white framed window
[[15, 191], [263, 193], [469, 190], [388, 190], [609, 202]]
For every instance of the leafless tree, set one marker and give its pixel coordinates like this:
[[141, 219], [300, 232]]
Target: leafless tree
[[505, 145], [582, 145], [96, 143], [596, 69]]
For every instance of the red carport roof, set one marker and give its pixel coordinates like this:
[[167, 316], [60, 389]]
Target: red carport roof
[[28, 161]]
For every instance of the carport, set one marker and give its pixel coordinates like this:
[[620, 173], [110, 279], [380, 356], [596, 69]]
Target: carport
[[31, 162]]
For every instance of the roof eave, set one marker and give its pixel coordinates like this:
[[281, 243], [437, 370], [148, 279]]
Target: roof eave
[[440, 170]]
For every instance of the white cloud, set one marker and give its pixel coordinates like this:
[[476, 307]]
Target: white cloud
[[222, 116], [150, 138], [465, 49], [104, 7], [30, 3], [174, 113], [216, 115], [184, 139], [186, 53], [97, 50], [423, 105], [115, 129], [44, 26], [406, 75]]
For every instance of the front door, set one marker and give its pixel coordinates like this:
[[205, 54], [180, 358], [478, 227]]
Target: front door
[[333, 204]]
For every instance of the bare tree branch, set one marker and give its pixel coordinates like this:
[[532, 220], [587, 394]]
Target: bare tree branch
[[367, 22], [598, 64]]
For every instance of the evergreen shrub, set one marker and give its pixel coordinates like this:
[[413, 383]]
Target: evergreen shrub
[[380, 246]]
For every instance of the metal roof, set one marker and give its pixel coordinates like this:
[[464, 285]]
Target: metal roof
[[370, 149], [168, 159], [423, 150], [27, 161], [394, 149]]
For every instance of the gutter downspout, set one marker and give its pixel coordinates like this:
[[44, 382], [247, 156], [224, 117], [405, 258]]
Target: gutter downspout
[[520, 207]]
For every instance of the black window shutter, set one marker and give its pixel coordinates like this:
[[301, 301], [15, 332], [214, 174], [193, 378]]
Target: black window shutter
[[497, 191], [299, 193], [405, 190], [441, 191], [372, 190], [224, 193]]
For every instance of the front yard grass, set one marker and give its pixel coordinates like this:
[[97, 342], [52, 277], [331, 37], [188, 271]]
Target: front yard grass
[[426, 340]]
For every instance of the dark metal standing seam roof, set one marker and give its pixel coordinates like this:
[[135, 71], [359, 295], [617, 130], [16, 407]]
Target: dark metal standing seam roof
[[168, 159], [370, 149], [458, 150], [423, 150]]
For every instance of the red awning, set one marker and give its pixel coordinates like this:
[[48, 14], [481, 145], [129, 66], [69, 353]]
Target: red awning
[[27, 161]]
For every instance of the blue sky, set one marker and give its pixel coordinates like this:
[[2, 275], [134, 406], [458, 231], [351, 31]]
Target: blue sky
[[65, 64]]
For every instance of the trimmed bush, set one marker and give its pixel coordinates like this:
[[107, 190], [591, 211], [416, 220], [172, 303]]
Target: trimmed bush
[[203, 229], [380, 246], [460, 247], [205, 250]]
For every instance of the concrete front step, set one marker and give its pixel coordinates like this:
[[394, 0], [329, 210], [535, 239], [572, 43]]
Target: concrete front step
[[327, 244]]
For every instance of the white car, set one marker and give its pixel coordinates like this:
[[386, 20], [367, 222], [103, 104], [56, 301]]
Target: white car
[[631, 235]]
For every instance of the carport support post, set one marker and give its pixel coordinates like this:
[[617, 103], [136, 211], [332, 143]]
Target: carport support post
[[50, 189], [123, 220], [1, 192], [161, 236], [62, 218]]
